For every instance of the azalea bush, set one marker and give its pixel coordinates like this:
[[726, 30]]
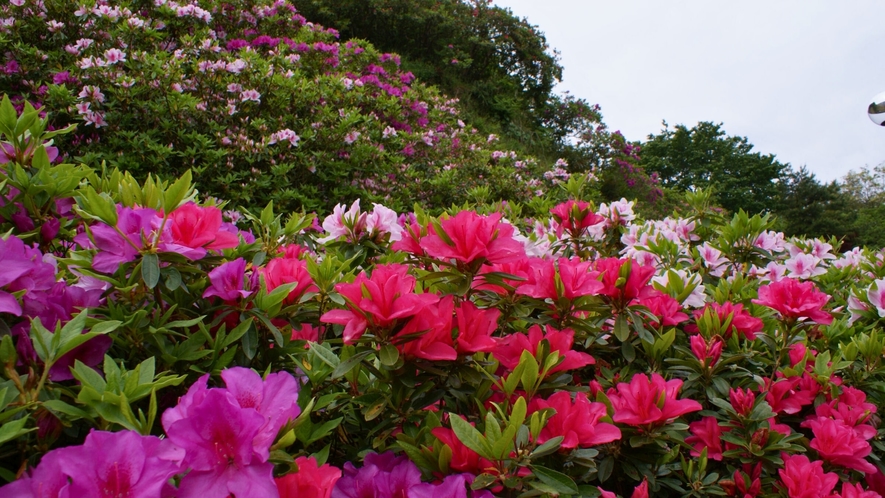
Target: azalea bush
[[257, 102], [157, 342]]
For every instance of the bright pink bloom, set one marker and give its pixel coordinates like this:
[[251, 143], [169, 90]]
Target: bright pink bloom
[[311, 481], [794, 299], [577, 421], [805, 479], [227, 281], [281, 271], [852, 408], [520, 269], [855, 491], [707, 353], [473, 237], [576, 279], [742, 321], [839, 444], [641, 491], [634, 284], [306, 332], [706, 433], [378, 301], [742, 401], [783, 395], [667, 310], [475, 327], [606, 494], [47, 480], [195, 229], [650, 401], [434, 324], [510, 348], [574, 216]]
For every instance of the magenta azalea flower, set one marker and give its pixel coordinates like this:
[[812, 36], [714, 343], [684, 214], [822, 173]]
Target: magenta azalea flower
[[227, 281], [650, 401], [794, 299], [382, 475], [227, 432]]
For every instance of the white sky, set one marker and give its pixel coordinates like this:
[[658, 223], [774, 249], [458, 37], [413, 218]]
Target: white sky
[[794, 77]]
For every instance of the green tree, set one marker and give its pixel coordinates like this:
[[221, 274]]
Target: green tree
[[705, 156], [865, 195], [813, 209]]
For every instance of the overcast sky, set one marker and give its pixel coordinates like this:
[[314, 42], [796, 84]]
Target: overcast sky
[[794, 77]]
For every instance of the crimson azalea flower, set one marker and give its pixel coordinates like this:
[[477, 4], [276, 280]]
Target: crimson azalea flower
[[650, 401], [794, 300], [472, 237], [839, 444], [281, 271], [706, 433], [634, 286], [434, 324], [311, 481], [195, 229], [463, 458], [576, 421], [510, 348], [379, 301], [475, 327], [576, 279], [742, 321], [806, 479], [665, 308], [574, 216]]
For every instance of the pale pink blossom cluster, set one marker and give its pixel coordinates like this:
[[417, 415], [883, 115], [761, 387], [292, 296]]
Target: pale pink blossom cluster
[[284, 135], [355, 224]]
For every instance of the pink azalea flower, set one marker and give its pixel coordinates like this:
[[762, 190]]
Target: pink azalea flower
[[794, 300], [707, 353], [706, 433], [576, 279], [463, 458], [281, 271], [383, 220], [742, 321], [473, 237], [650, 401], [805, 479], [876, 295], [521, 269], [641, 491], [475, 327], [634, 285], [851, 408], [666, 309], [839, 444], [784, 397], [804, 266], [510, 348], [574, 216], [577, 421], [742, 401], [311, 481], [389, 296], [195, 229], [856, 491], [434, 324]]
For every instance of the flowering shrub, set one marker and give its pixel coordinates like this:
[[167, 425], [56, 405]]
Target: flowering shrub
[[260, 104], [586, 353]]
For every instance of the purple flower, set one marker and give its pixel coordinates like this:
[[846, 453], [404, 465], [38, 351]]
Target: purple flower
[[227, 281], [107, 464], [121, 464], [453, 486], [227, 432], [136, 226], [383, 475], [45, 481], [217, 436]]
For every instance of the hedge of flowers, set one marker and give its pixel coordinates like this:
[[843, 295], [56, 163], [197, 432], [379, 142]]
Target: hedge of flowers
[[158, 343], [260, 105]]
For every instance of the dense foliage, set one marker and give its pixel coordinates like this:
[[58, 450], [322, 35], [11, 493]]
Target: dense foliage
[[419, 356]]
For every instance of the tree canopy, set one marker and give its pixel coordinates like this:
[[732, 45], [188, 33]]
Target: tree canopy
[[705, 156]]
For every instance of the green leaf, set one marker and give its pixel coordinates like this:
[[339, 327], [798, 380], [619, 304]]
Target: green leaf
[[550, 446], [177, 192], [8, 117], [347, 365], [560, 482], [14, 429], [389, 355], [622, 330], [150, 270], [471, 437]]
